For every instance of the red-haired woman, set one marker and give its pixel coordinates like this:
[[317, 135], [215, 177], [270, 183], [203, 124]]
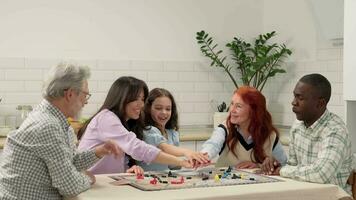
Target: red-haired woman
[[247, 137]]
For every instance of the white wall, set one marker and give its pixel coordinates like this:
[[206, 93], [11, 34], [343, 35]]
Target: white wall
[[152, 40], [120, 29], [297, 27], [155, 41]]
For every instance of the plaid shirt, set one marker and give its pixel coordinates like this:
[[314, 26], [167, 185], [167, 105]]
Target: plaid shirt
[[320, 153], [40, 159]]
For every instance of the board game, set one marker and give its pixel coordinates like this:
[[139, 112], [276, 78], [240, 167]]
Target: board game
[[207, 177]]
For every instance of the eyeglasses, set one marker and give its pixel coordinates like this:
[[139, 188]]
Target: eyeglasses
[[87, 94]]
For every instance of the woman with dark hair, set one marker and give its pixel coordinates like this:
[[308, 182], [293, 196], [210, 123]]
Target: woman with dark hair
[[161, 121], [119, 119], [247, 137]]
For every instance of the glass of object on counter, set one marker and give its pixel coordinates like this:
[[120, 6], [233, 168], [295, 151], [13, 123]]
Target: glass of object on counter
[[24, 111]]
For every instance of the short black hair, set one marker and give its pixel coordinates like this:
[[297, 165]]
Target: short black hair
[[320, 83]]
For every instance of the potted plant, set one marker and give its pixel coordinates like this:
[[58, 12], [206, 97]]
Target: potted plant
[[221, 114], [255, 63]]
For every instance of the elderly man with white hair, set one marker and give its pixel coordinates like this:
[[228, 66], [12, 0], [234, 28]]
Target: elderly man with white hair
[[40, 160]]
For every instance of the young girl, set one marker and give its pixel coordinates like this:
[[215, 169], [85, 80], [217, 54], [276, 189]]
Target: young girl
[[119, 119], [161, 121], [247, 137]]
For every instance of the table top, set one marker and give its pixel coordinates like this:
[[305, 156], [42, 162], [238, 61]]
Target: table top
[[288, 190]]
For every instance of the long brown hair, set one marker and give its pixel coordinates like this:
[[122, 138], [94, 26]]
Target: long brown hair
[[260, 127], [153, 95], [123, 91]]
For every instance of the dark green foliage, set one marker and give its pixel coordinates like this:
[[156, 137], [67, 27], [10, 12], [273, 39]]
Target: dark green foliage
[[255, 63]]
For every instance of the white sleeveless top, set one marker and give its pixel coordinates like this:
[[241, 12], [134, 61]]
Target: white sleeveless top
[[243, 151]]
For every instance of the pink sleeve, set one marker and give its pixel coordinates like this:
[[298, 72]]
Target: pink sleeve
[[110, 127]]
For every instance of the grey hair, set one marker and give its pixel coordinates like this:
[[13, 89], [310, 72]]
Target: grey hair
[[62, 77]]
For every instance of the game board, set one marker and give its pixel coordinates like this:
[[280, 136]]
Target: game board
[[208, 177]]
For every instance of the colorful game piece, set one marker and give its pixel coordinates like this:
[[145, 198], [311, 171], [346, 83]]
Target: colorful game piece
[[229, 169], [216, 178], [225, 175], [192, 179], [140, 176], [170, 174], [153, 181], [234, 176], [180, 181]]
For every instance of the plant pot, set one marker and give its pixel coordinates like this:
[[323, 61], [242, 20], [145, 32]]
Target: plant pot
[[219, 117]]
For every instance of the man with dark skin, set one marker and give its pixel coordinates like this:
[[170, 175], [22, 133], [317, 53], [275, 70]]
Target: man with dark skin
[[320, 146]]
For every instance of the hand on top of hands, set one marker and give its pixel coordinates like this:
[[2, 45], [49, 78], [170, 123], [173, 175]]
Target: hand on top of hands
[[135, 169], [197, 159], [108, 148], [270, 166]]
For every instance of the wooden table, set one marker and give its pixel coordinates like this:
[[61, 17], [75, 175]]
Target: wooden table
[[287, 190]]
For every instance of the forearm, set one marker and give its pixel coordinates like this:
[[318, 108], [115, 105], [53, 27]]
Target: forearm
[[164, 158], [319, 172], [84, 160], [173, 150]]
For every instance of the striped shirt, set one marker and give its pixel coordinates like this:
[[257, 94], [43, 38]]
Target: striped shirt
[[320, 153], [40, 160]]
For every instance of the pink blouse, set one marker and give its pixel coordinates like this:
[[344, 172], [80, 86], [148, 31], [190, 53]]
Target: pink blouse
[[106, 125]]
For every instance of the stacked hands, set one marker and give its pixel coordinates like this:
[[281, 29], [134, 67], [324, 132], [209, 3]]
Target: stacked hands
[[270, 165], [195, 159]]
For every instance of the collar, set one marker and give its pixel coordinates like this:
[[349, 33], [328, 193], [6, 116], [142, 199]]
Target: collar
[[322, 118], [243, 142], [315, 126], [48, 106]]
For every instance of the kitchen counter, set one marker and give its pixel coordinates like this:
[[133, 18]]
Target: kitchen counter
[[195, 133], [201, 133], [2, 142]]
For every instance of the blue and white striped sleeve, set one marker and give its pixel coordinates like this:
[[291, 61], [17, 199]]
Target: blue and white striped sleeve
[[279, 153], [214, 144]]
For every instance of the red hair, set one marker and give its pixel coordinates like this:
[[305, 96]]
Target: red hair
[[260, 127]]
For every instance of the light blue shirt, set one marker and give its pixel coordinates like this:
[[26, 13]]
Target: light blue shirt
[[214, 144], [154, 137]]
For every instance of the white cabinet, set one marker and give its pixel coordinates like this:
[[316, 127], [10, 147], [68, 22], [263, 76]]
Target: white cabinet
[[349, 51], [350, 68]]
